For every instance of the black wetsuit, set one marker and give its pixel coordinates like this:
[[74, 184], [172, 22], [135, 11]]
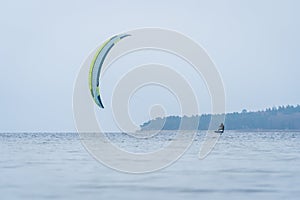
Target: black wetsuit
[[221, 127]]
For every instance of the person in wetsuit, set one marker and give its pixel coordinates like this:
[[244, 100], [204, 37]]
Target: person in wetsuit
[[221, 127]]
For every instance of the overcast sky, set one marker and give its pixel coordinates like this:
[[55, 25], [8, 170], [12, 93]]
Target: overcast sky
[[254, 44]]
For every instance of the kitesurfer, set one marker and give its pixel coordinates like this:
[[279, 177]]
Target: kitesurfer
[[221, 128]]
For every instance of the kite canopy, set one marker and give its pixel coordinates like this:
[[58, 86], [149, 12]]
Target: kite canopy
[[96, 66]]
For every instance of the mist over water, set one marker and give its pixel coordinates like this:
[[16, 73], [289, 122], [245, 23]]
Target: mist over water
[[243, 165]]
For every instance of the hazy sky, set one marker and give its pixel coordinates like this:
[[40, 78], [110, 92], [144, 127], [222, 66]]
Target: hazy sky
[[254, 44]]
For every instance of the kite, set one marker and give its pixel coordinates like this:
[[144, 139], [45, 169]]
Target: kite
[[96, 66]]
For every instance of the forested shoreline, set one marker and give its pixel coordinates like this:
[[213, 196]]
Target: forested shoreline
[[281, 118]]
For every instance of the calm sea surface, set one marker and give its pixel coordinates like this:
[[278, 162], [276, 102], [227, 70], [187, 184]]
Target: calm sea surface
[[243, 165]]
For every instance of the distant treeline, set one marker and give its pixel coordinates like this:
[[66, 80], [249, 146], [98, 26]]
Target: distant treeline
[[282, 117]]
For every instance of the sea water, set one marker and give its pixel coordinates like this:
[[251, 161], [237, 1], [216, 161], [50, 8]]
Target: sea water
[[243, 165]]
